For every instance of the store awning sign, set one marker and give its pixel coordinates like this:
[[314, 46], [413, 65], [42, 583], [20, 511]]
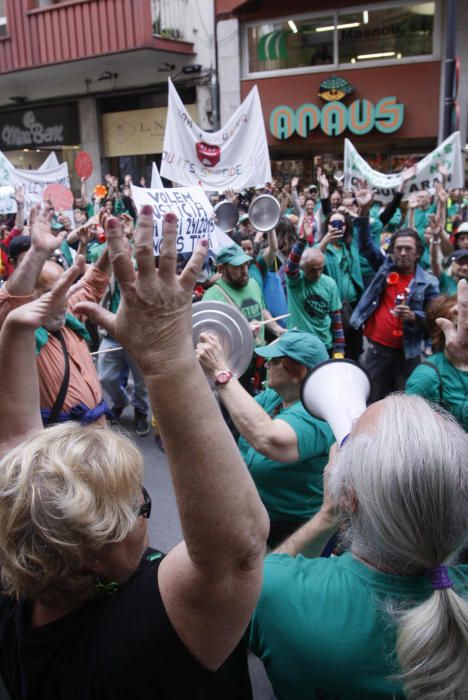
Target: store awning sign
[[448, 153], [33, 182], [360, 117], [194, 212], [234, 157]]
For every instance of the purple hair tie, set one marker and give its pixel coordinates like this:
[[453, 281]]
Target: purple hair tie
[[439, 578]]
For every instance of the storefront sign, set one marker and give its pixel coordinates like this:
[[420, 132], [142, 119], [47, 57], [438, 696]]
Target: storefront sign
[[137, 132], [43, 126], [360, 117]]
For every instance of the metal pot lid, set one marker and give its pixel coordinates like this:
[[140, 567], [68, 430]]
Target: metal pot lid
[[264, 212], [226, 215], [231, 327]]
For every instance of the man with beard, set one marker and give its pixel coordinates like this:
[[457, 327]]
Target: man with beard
[[236, 288], [69, 386]]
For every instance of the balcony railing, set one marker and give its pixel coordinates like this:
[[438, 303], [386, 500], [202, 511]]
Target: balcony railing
[[170, 18], [77, 29]]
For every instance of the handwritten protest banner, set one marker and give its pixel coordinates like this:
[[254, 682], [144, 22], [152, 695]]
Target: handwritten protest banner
[[427, 175], [193, 209]]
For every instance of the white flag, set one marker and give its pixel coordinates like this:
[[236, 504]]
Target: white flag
[[448, 153], [156, 183], [234, 157]]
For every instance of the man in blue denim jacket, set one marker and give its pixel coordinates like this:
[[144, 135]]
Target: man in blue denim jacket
[[392, 308]]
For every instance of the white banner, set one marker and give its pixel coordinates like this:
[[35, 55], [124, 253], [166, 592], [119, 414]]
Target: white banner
[[50, 162], [448, 153], [234, 157], [33, 183], [194, 212]]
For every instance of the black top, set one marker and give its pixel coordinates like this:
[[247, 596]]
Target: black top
[[121, 647]]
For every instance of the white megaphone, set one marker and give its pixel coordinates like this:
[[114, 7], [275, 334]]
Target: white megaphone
[[336, 391]]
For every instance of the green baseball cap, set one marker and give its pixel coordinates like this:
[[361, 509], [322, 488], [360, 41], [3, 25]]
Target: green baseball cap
[[232, 255], [303, 347]]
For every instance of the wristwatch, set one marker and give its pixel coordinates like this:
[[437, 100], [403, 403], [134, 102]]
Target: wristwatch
[[223, 377]]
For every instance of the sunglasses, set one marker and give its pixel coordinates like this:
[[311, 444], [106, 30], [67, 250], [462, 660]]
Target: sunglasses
[[145, 508]]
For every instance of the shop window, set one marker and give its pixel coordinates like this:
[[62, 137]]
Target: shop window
[[292, 44], [390, 33], [3, 19], [385, 33]]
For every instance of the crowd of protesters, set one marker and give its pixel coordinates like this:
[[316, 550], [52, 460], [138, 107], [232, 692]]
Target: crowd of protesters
[[341, 275]]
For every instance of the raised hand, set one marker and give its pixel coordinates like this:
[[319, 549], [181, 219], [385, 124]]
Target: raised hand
[[456, 336], [18, 196], [154, 321], [50, 304], [294, 182], [364, 195], [42, 238]]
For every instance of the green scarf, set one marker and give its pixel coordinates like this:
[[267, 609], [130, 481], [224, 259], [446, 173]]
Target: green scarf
[[42, 336]]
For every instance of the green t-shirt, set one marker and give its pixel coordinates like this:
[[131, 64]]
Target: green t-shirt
[[447, 284], [310, 305], [448, 388], [249, 300], [322, 630], [291, 491]]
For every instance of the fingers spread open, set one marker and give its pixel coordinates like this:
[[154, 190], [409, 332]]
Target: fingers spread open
[[97, 314], [168, 258], [193, 268], [144, 248], [118, 253]]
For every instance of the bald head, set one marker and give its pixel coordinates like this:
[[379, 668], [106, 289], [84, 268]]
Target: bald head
[[48, 277], [312, 264]]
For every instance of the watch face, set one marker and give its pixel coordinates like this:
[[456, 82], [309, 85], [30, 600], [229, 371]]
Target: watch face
[[223, 377]]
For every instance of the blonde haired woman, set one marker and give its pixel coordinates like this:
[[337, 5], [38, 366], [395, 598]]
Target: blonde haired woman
[[89, 612]]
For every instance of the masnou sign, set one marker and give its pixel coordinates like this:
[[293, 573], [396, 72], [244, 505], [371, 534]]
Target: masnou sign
[[359, 117]]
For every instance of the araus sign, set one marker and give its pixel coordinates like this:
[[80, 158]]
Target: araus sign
[[360, 117]]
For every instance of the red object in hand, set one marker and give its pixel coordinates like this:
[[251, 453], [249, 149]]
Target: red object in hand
[[83, 165], [208, 154], [393, 278], [60, 196]]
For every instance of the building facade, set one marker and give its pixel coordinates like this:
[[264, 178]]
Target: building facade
[[92, 75], [372, 73]]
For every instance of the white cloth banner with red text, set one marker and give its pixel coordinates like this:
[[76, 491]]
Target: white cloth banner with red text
[[234, 157], [448, 154]]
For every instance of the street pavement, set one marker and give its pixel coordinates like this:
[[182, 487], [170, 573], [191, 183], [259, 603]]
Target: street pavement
[[164, 524]]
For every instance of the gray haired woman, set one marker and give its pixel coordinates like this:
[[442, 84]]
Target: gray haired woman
[[389, 618]]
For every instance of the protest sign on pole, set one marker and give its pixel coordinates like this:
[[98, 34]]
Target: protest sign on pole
[[194, 213], [234, 157], [33, 182], [427, 175]]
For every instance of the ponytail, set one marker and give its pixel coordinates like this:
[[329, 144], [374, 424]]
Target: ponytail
[[432, 648]]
